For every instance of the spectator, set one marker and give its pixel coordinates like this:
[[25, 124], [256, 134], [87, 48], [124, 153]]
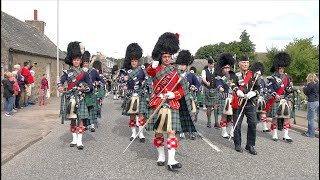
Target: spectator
[[30, 99], [28, 79], [311, 90], [8, 93], [16, 89], [43, 90], [20, 80]]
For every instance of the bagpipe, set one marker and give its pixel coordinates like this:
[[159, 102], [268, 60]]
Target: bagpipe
[[193, 92], [73, 97], [227, 96]]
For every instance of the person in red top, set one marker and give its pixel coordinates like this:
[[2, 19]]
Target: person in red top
[[164, 77], [28, 81], [43, 90]]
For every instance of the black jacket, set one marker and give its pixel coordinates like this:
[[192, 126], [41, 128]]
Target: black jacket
[[7, 88], [312, 91]]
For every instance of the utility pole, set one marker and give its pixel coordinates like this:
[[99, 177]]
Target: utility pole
[[58, 78]]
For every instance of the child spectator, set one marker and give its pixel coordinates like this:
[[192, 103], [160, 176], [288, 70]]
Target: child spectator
[[43, 90]]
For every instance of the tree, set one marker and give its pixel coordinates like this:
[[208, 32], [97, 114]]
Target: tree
[[304, 59], [212, 50], [269, 61], [247, 48]]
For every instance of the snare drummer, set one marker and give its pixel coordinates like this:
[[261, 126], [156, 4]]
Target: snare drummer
[[133, 76], [279, 87], [225, 76]]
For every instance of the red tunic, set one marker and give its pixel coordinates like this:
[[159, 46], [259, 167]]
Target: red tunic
[[163, 85]]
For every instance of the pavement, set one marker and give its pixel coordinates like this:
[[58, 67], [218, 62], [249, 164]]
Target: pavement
[[31, 124]]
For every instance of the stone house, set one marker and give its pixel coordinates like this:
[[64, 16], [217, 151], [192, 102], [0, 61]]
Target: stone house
[[26, 41]]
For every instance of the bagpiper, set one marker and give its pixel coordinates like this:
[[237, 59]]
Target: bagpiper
[[92, 100], [73, 105], [195, 89], [133, 77], [245, 89], [167, 90], [263, 97], [188, 106], [225, 76], [279, 106], [114, 84]]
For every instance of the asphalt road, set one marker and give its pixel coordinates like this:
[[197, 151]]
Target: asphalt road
[[102, 157]]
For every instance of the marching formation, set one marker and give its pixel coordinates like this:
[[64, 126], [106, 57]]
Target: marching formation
[[162, 96]]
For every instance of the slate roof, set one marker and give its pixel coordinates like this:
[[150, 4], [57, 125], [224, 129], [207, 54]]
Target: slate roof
[[22, 37]]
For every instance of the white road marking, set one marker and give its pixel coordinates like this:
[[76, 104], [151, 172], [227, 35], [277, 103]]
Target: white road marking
[[208, 142]]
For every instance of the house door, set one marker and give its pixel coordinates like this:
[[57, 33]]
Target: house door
[[48, 77]]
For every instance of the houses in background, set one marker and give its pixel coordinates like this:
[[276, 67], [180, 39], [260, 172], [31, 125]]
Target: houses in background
[[26, 41]]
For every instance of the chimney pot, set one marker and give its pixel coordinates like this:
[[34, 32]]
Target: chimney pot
[[35, 15]]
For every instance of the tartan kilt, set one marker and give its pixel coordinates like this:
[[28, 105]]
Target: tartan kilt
[[273, 110], [142, 105], [210, 101], [93, 111], [82, 111], [221, 101], [176, 125], [187, 124]]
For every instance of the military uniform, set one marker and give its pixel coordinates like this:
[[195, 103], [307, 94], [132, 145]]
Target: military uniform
[[279, 110], [73, 106]]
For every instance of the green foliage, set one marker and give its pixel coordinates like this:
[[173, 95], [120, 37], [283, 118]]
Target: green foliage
[[244, 47], [304, 59], [268, 62]]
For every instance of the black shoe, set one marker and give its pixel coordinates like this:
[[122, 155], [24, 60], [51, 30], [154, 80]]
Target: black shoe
[[93, 130], [131, 138], [73, 145], [209, 125], [251, 150], [217, 126], [174, 167], [192, 136], [142, 140], [160, 163], [80, 147], [266, 130], [238, 149], [287, 140]]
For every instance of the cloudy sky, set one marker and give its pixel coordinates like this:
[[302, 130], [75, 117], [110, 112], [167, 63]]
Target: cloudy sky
[[110, 26]]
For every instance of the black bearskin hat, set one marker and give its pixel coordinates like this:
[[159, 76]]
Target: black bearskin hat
[[282, 59], [194, 69], [224, 59], [184, 58], [75, 49], [134, 51], [167, 43], [114, 69], [97, 65], [86, 56], [257, 66]]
